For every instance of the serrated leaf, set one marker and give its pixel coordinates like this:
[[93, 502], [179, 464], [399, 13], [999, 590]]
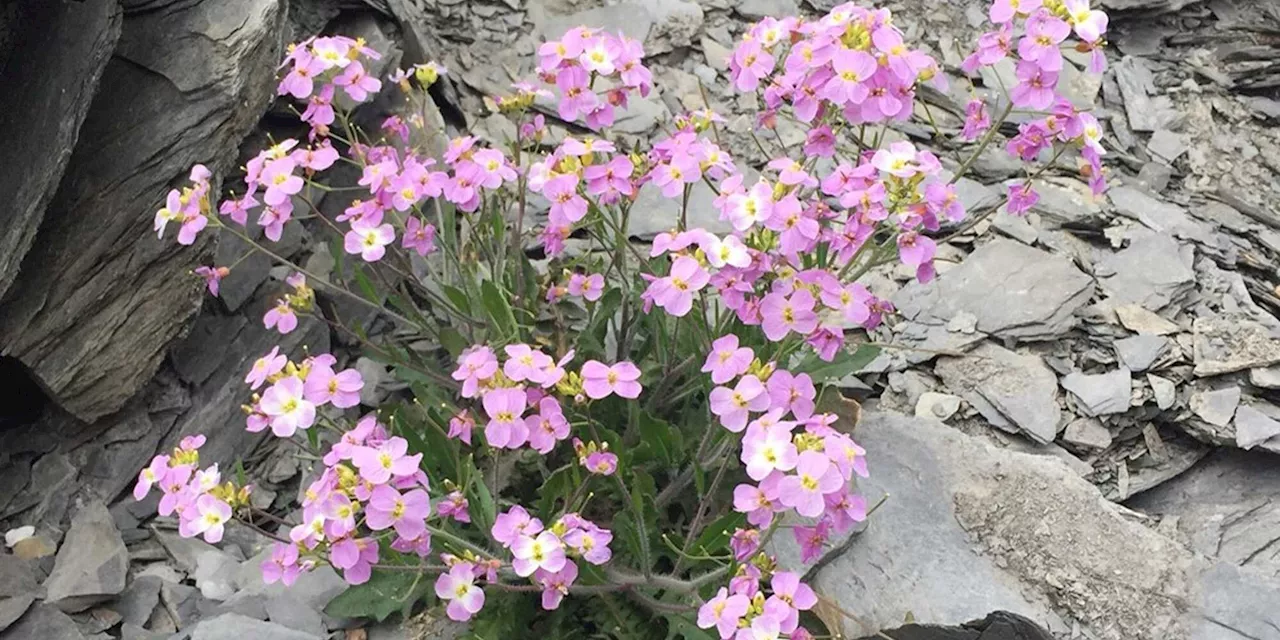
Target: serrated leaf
[[842, 365], [385, 593]]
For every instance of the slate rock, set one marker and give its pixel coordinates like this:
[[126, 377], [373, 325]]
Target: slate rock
[[1255, 428], [1160, 216], [662, 25], [232, 626], [1036, 299], [1140, 352], [938, 406], [12, 608], [1146, 111], [1150, 272], [1232, 342], [1087, 432], [44, 622], [314, 588], [1141, 321], [97, 304], [138, 600], [1100, 394], [1265, 377], [17, 576], [999, 625], [1164, 390], [757, 9], [1216, 406], [287, 611], [92, 565], [1012, 391], [215, 574], [63, 48]]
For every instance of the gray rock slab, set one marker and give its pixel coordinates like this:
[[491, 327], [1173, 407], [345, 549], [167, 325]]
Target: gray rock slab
[[1265, 377], [232, 626], [287, 611], [12, 608], [1035, 300], [1012, 391], [1216, 406], [1100, 394], [757, 9], [1232, 342], [96, 307], [43, 622], [1150, 272], [63, 48], [215, 574], [314, 588], [1158, 215], [92, 564], [1147, 111], [1164, 390], [1087, 432], [662, 25], [1254, 428], [138, 600], [1140, 352], [1141, 321]]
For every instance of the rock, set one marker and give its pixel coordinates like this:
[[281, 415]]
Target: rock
[[1265, 377], [92, 564], [999, 625], [1160, 216], [662, 25], [286, 611], [1255, 428], [1150, 272], [63, 48], [1227, 507], [1100, 394], [1232, 342], [96, 306], [188, 553], [938, 406], [1216, 407], [1137, 83], [717, 54], [1145, 6], [757, 9], [233, 626], [314, 588], [138, 600], [44, 622], [1087, 432], [1164, 390], [1141, 321], [654, 214], [216, 574], [1140, 352], [13, 607], [1155, 176], [1014, 392], [1038, 296], [1167, 145]]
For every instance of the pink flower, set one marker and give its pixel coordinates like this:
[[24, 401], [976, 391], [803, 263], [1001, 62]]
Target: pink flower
[[589, 287], [755, 502], [461, 426], [599, 381], [792, 393], [458, 588], [506, 427], [515, 523], [1003, 11], [976, 120], [852, 70], [419, 236], [475, 365], [282, 566], [845, 509], [548, 426], [846, 454], [378, 464], [407, 513], [733, 406], [795, 595], [591, 542], [212, 275], [555, 585], [812, 540], [356, 82], [1089, 24], [750, 63], [577, 99], [745, 210], [727, 360], [265, 367], [601, 463], [566, 204], [287, 407], [154, 474], [744, 543], [368, 240], [766, 449], [674, 293], [723, 612], [1035, 88], [545, 552], [1021, 198], [300, 82], [782, 315], [1040, 44], [356, 557], [815, 477], [281, 317], [915, 249], [525, 363], [342, 389], [211, 516], [278, 176], [454, 506]]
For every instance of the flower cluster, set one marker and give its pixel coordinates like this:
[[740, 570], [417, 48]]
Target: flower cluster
[[743, 611], [189, 208], [199, 498], [296, 391], [585, 58], [319, 67]]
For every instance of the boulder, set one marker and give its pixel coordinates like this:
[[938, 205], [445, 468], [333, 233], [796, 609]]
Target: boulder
[[92, 565], [100, 298]]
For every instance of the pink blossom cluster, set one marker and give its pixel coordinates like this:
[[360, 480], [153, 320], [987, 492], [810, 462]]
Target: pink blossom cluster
[[296, 391], [750, 609], [589, 287], [319, 67], [852, 60], [188, 207], [586, 58], [201, 503]]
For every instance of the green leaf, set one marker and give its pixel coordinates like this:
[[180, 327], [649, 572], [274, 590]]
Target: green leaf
[[499, 310], [385, 593], [682, 627], [453, 341], [624, 528], [844, 364], [715, 538], [366, 286], [663, 439], [605, 309], [483, 509], [457, 297], [559, 485]]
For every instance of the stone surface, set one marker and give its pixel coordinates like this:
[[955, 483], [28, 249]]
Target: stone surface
[[1100, 394], [1160, 216], [1265, 377], [1255, 428], [662, 25], [757, 9], [999, 625], [1036, 300], [64, 48], [1217, 406], [232, 626], [1232, 342], [1151, 273], [1015, 392], [287, 611], [97, 305], [44, 622], [215, 574], [1087, 432], [1140, 352], [138, 600], [92, 564], [12, 608], [938, 406], [1139, 320]]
